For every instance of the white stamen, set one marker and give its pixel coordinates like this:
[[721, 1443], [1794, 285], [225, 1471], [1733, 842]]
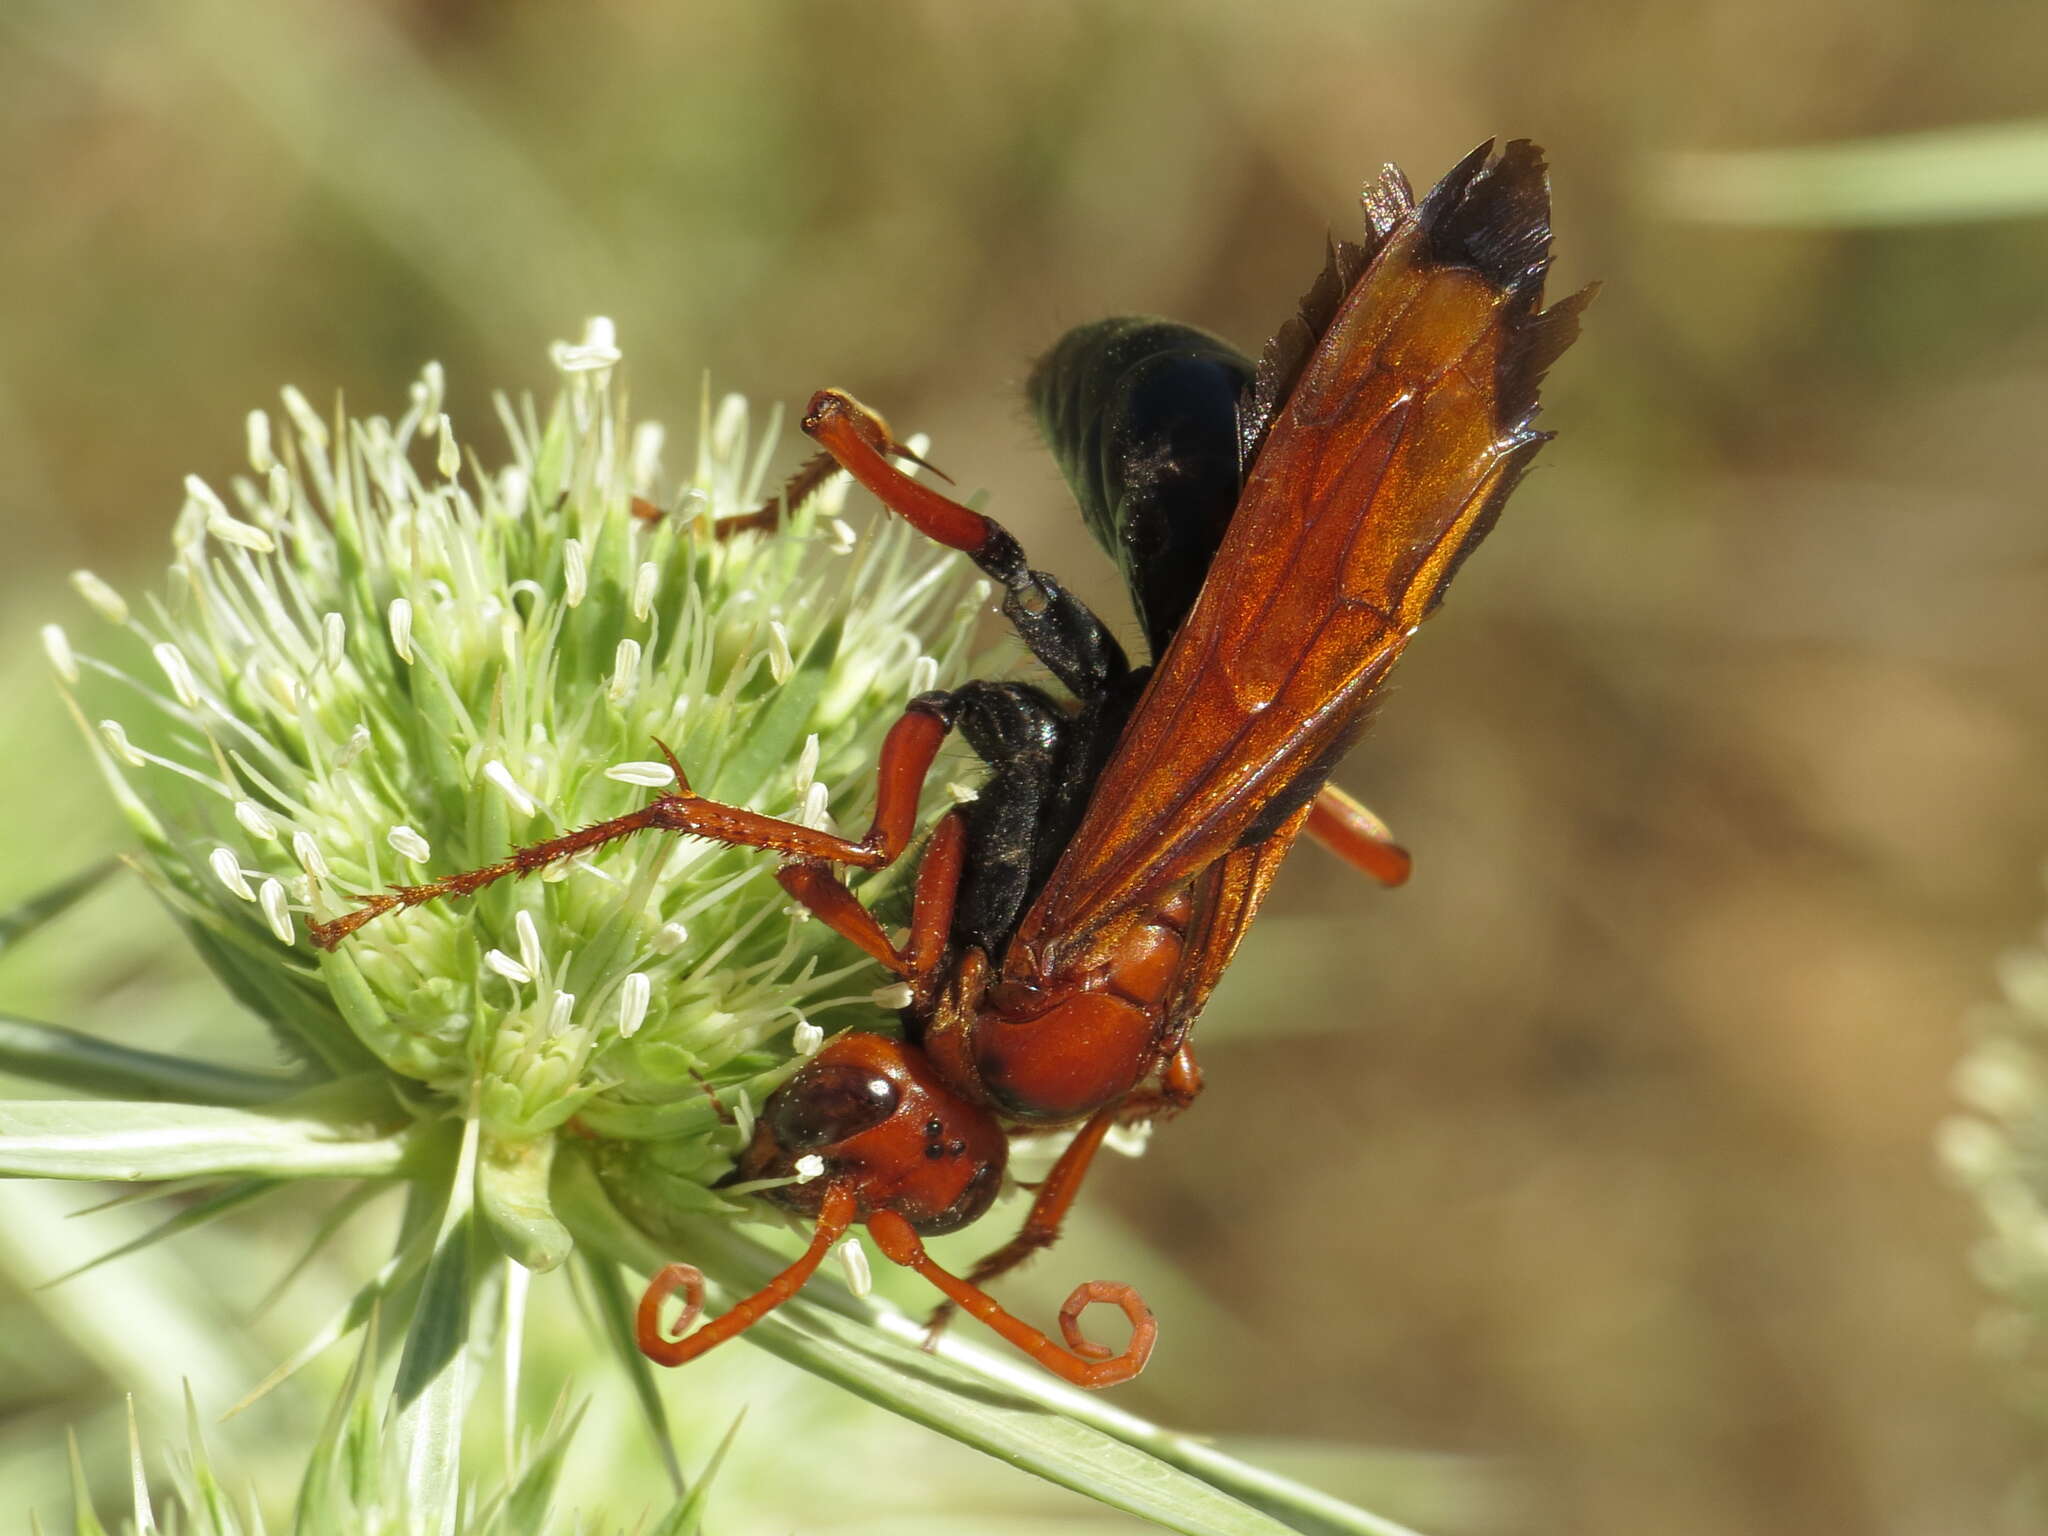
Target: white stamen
[[307, 852], [103, 599], [599, 348], [843, 537], [816, 812], [57, 647], [243, 535], [333, 640], [449, 459], [806, 1038], [962, 794], [272, 900], [513, 486], [1129, 1140], [227, 869], [408, 844], [261, 458], [510, 788], [924, 676], [645, 457], [277, 490], [198, 493], [729, 426], [255, 820], [625, 672], [116, 738], [895, 996], [399, 617], [807, 762], [575, 572], [506, 966], [357, 744], [670, 937], [649, 775], [431, 389], [780, 662], [179, 671], [809, 1167], [853, 1264], [559, 1011], [288, 690], [634, 995], [646, 582], [530, 953], [305, 419]]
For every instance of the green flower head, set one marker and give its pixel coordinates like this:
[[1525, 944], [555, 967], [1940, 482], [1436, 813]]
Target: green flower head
[[381, 658]]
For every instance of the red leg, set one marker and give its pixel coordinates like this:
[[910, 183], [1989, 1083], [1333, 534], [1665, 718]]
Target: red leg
[[937, 893], [678, 1345], [1084, 1363], [1357, 836], [859, 440], [806, 482], [931, 913], [906, 759], [1049, 1208], [1180, 1084], [826, 897], [799, 488]]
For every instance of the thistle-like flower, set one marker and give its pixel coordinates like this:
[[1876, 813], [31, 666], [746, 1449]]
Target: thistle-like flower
[[380, 657]]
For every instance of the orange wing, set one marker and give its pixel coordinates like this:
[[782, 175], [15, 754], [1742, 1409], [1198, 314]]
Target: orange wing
[[1406, 430], [1227, 897]]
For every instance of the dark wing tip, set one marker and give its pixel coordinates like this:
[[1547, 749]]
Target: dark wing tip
[[1489, 213], [1538, 341], [1387, 201], [1493, 215]]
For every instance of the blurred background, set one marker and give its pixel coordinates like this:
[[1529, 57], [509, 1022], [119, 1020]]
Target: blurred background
[[1598, 1159]]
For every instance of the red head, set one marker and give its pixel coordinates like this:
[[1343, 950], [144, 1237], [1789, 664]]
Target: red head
[[873, 1109]]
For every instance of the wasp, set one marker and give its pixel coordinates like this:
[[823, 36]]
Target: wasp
[[1283, 528]]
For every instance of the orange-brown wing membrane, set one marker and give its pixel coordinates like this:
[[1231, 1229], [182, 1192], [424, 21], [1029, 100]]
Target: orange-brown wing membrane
[[1397, 445], [1227, 897]]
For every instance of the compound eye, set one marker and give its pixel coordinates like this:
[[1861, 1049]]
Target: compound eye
[[825, 1104]]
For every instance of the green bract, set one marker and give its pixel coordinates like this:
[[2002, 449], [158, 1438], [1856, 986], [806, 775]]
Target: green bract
[[383, 657]]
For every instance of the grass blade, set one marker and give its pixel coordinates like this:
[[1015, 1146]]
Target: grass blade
[[20, 921], [1018, 1416], [70, 1058]]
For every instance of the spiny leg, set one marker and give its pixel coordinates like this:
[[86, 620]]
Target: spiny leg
[[804, 482], [1061, 630], [901, 768], [678, 1345], [1041, 1227], [1084, 1362], [808, 479], [1345, 827]]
